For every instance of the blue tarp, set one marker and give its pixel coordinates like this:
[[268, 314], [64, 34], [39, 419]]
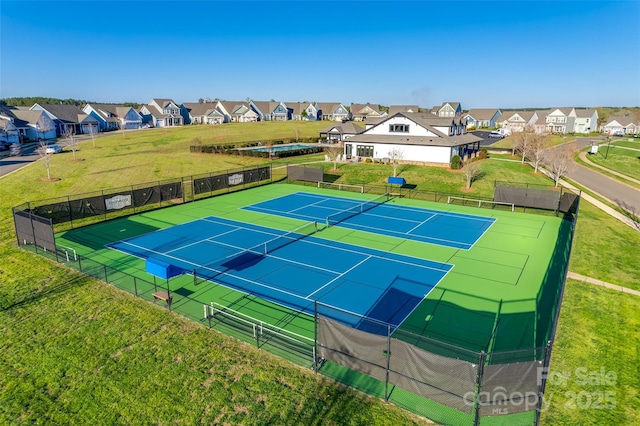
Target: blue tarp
[[396, 180]]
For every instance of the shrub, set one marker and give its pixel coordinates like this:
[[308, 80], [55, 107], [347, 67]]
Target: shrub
[[456, 162], [483, 153]]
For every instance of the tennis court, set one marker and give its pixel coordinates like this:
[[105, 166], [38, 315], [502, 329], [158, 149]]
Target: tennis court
[[492, 289], [294, 269], [450, 229]]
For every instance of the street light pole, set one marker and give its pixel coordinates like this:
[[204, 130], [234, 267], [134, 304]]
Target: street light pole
[[608, 145]]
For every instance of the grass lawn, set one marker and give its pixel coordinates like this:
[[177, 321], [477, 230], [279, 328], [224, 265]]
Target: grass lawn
[[621, 160], [79, 351]]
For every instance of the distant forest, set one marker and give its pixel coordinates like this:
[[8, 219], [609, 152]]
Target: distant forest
[[29, 101]]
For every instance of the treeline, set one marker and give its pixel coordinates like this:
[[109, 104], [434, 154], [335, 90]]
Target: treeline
[[30, 101]]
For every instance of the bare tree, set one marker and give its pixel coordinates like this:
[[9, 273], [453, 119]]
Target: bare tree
[[46, 157], [122, 126], [334, 152], [560, 161], [395, 155], [69, 134], [297, 133], [471, 171], [43, 126], [92, 132], [537, 150]]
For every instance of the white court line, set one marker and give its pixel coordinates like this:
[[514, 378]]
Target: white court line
[[307, 205], [421, 223], [339, 276], [203, 240], [485, 231]]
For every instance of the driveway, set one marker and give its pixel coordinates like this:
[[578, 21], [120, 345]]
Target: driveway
[[623, 195]]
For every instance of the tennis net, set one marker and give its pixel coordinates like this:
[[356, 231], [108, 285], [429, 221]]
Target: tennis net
[[336, 218], [297, 234]]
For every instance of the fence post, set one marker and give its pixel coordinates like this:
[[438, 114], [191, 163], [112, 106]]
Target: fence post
[[543, 382], [135, 286], [106, 278], [386, 378], [80, 263], [476, 402], [315, 336]]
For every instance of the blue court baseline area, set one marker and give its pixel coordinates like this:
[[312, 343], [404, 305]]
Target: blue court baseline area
[[382, 286], [449, 229]]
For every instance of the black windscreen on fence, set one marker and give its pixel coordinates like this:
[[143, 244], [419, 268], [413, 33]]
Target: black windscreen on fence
[[309, 174], [214, 183], [32, 229], [527, 197]]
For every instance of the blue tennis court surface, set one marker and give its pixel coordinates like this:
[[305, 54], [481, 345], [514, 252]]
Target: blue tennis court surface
[[455, 230], [294, 270]]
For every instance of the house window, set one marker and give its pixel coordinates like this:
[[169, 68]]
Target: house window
[[398, 128], [364, 150]]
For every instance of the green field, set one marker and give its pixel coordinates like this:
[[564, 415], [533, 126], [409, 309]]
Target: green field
[[621, 160], [75, 349]]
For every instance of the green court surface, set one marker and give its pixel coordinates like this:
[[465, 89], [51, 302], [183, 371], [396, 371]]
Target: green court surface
[[500, 295]]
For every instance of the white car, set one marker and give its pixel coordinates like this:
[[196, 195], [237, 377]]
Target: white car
[[495, 134], [53, 149]]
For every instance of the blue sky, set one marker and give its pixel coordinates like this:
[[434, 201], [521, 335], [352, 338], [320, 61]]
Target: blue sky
[[507, 54]]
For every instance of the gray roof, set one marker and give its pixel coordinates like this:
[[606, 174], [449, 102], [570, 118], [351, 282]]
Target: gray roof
[[526, 115], [624, 120], [22, 117], [349, 128], [482, 113], [393, 109], [113, 110], [66, 113], [198, 109], [297, 107], [266, 107], [585, 113]]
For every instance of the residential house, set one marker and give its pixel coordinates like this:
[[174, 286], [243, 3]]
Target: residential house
[[560, 120], [266, 109], [237, 112], [517, 121], [114, 116], [8, 131], [478, 118], [621, 124], [31, 125], [297, 110], [68, 118], [362, 112], [161, 113], [340, 132], [585, 120], [201, 113], [332, 111], [421, 138], [394, 109], [447, 109]]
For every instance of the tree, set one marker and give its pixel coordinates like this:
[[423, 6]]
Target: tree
[[92, 132], [334, 152], [44, 126], [46, 157], [560, 161], [520, 143], [73, 143], [269, 145], [297, 133], [471, 171], [537, 150], [395, 155]]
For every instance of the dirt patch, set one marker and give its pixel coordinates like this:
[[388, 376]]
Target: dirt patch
[[49, 179]]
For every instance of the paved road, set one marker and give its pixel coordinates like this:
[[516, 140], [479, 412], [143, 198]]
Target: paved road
[[619, 193]]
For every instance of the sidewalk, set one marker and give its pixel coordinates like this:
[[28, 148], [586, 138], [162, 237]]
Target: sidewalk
[[594, 281]]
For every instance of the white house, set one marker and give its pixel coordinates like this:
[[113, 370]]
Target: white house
[[625, 124], [560, 120], [201, 113], [114, 116], [585, 120], [161, 113], [421, 137], [237, 112], [517, 121]]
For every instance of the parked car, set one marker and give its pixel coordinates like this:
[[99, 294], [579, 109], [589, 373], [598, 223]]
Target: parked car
[[53, 149], [15, 150], [496, 134], [618, 133], [4, 146]]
